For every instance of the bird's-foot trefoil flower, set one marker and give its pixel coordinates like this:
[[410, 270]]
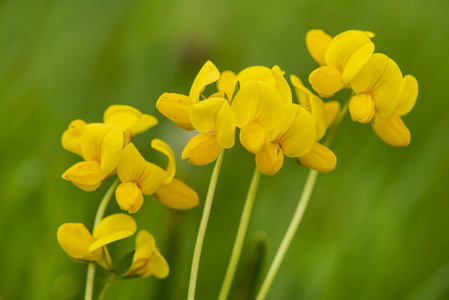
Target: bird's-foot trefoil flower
[[81, 245]]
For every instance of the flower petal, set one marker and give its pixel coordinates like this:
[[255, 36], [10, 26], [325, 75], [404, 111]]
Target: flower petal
[[253, 137], [332, 109], [158, 266], [361, 107], [131, 165], [270, 160], [282, 85], [391, 130], [113, 228], [71, 138], [319, 158], [407, 95], [176, 108], [177, 195], [225, 126], [317, 42], [87, 175], [319, 115], [144, 123], [207, 75], [227, 83], [302, 93], [204, 114], [92, 139], [356, 62], [152, 178], [75, 239], [129, 197], [164, 148], [111, 149], [122, 116], [259, 73], [326, 81], [202, 149]]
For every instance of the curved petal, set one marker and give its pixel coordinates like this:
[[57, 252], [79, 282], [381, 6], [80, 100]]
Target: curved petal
[[111, 149], [113, 228], [123, 116], [144, 123], [319, 115], [164, 148], [75, 239], [282, 85], [92, 140], [131, 165], [270, 160], [317, 42], [202, 149], [332, 109], [225, 126], [356, 62], [158, 266], [204, 114], [176, 108], [129, 197], [86, 175], [391, 130], [253, 137], [71, 138], [258, 73], [152, 178], [207, 75], [361, 107], [407, 95], [302, 93], [177, 195], [227, 83], [319, 158], [326, 81]]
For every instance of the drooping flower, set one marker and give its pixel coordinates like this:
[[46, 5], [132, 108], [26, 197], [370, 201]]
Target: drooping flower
[[81, 245], [147, 258], [139, 177], [341, 58]]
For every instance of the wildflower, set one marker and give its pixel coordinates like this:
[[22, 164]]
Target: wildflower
[[383, 95], [83, 246], [140, 177], [319, 157], [340, 58], [147, 258]]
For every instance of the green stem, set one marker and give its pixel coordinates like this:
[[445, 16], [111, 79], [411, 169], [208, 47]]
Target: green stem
[[240, 238], [100, 213], [203, 225], [299, 213]]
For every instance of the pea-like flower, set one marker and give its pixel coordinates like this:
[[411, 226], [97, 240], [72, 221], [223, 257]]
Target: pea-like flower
[[340, 58], [147, 259], [383, 95], [140, 177], [81, 245]]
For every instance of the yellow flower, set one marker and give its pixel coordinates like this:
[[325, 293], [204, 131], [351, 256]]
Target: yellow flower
[[176, 107], [226, 84], [81, 245], [140, 177], [383, 95], [341, 58], [101, 146], [147, 259], [215, 121], [319, 157]]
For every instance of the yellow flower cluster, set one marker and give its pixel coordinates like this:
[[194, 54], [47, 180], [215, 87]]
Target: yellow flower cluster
[[258, 101], [382, 95]]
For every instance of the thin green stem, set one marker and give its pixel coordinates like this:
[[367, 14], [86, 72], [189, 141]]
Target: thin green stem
[[99, 215], [299, 213], [240, 238], [203, 226]]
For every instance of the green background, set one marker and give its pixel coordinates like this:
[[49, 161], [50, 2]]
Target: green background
[[376, 227]]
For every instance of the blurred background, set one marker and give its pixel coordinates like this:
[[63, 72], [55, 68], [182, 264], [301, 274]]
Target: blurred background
[[376, 227]]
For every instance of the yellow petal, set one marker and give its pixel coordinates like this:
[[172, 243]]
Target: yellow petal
[[204, 114], [158, 266], [319, 115], [391, 130], [177, 195], [407, 95], [75, 239], [227, 83], [326, 81], [332, 109], [297, 138], [207, 75], [319, 158], [253, 137], [87, 175], [357, 61], [317, 42], [111, 149], [176, 108], [258, 102], [144, 123], [71, 138], [282, 85], [270, 160], [164, 148], [113, 228], [361, 108], [152, 178], [129, 197], [131, 165], [128, 118], [259, 73], [225, 126], [145, 245], [202, 149], [302, 93], [92, 139]]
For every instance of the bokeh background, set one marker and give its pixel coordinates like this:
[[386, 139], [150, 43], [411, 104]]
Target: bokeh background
[[376, 227]]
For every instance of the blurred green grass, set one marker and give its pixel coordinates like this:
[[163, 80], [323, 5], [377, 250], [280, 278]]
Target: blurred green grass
[[376, 227]]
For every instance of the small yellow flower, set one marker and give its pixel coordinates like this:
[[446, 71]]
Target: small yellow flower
[[341, 58], [81, 245], [147, 258], [140, 177]]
